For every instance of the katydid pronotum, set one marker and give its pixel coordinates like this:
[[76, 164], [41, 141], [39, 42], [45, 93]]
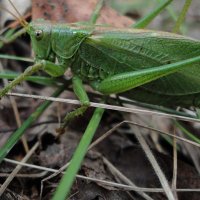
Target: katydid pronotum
[[138, 63]]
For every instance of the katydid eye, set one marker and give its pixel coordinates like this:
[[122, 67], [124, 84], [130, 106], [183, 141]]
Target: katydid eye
[[38, 34]]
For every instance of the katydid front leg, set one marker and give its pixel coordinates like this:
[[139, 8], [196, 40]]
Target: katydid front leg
[[47, 66], [82, 96], [29, 71]]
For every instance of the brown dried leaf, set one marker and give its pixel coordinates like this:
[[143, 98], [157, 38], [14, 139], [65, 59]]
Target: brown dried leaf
[[72, 11]]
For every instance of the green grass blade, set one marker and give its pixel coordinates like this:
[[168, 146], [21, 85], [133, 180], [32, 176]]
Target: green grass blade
[[154, 107], [148, 18], [8, 38], [188, 133], [198, 113], [181, 17], [75, 163], [170, 10], [27, 123], [42, 80], [96, 12], [11, 57]]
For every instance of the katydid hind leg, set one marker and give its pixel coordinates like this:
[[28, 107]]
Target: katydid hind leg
[[129, 80]]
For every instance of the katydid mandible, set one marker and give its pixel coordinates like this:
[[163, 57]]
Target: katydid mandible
[[150, 66]]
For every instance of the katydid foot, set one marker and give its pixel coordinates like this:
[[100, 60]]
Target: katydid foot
[[70, 116]]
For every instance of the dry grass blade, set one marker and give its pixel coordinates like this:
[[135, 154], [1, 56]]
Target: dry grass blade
[[154, 164], [108, 133], [29, 175], [175, 162], [122, 177], [142, 126], [109, 107], [109, 183], [18, 167], [16, 113]]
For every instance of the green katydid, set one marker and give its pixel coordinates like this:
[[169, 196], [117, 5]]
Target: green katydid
[[138, 63]]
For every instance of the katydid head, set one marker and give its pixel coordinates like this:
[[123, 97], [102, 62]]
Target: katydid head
[[40, 34], [50, 40]]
